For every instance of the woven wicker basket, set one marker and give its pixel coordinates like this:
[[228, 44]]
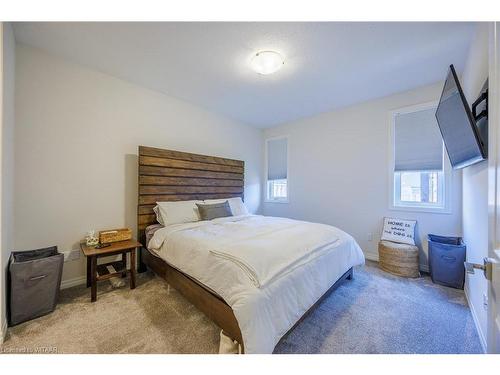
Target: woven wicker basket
[[115, 235], [398, 259]]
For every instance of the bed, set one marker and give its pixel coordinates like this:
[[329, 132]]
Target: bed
[[208, 262]]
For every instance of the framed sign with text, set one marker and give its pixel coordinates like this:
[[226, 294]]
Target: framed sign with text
[[399, 230]]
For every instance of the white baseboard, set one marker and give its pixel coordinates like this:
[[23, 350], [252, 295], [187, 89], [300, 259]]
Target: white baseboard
[[371, 256], [3, 333], [424, 268], [83, 279], [73, 282], [482, 337], [374, 257]]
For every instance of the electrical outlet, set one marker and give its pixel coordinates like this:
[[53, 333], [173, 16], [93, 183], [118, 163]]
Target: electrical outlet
[[369, 236], [71, 255], [485, 300]]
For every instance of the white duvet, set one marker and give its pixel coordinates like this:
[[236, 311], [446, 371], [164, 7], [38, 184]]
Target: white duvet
[[269, 270]]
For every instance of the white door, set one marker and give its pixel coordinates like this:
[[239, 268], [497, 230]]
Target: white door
[[494, 189], [1, 127]]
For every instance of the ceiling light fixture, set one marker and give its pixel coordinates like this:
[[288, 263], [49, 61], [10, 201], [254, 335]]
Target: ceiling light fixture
[[267, 62]]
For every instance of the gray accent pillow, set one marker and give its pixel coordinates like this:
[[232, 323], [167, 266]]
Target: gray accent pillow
[[214, 210]]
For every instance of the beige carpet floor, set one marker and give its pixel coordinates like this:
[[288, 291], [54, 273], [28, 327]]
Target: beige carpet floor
[[153, 318], [374, 313]]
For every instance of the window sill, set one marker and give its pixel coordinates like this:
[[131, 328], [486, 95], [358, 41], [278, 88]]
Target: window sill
[[429, 210], [276, 201]]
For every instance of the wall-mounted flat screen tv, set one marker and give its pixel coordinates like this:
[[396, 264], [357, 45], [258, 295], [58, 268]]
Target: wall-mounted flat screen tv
[[460, 134]]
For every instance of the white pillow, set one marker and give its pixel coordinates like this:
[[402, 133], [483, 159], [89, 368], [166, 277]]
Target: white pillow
[[178, 212], [236, 204], [398, 230], [159, 219]]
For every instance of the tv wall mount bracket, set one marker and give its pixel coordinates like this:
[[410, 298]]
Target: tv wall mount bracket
[[484, 112]]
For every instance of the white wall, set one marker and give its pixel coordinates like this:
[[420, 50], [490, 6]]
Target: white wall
[[77, 133], [339, 172], [7, 161], [475, 187]]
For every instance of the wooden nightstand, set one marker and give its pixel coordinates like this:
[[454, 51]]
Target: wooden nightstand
[[100, 272]]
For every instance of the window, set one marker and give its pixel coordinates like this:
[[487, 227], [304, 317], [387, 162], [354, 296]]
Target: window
[[418, 189], [277, 170], [420, 170]]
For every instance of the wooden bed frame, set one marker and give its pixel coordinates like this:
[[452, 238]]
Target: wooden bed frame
[[166, 175]]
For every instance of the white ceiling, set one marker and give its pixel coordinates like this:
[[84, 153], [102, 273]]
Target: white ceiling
[[327, 65]]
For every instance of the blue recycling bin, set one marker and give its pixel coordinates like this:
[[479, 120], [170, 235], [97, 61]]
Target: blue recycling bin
[[446, 260]]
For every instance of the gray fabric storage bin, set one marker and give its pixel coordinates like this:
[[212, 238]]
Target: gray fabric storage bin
[[446, 260], [34, 282]]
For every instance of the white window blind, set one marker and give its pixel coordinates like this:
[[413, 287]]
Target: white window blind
[[417, 141], [277, 159]]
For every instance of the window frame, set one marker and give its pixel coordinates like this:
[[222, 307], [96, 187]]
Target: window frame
[[444, 177], [266, 166], [441, 192]]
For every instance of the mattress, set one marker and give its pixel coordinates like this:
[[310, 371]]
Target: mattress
[[267, 312]]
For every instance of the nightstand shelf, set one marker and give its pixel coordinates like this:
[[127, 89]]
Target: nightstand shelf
[[101, 272]]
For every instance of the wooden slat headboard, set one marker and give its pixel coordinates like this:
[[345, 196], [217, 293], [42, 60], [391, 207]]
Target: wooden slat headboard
[[166, 175]]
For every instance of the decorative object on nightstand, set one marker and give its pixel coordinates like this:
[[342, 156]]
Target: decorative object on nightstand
[[397, 252], [106, 271], [115, 235], [91, 238]]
